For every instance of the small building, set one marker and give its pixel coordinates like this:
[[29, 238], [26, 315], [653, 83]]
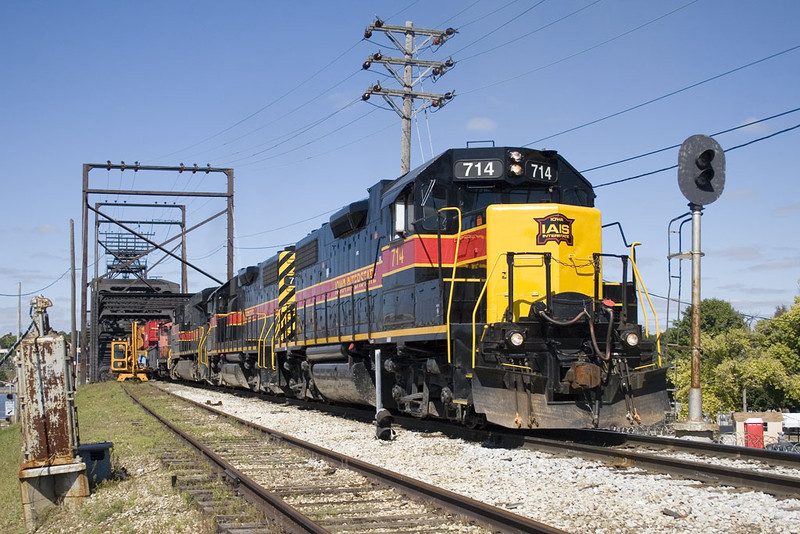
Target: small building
[[772, 424], [791, 426]]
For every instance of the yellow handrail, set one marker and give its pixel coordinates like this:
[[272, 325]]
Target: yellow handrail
[[452, 281], [200, 347], [478, 302], [640, 287], [262, 340]]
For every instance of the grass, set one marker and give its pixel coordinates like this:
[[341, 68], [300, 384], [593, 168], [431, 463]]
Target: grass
[[11, 521], [105, 413]]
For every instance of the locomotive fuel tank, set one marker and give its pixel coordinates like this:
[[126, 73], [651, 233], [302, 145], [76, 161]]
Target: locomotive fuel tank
[[348, 382]]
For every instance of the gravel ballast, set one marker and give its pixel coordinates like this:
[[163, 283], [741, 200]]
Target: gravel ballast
[[569, 493]]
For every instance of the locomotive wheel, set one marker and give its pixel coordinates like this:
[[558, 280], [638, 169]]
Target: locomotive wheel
[[474, 421]]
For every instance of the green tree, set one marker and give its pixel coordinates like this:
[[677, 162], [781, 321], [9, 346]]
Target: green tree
[[765, 361], [716, 316], [7, 340]]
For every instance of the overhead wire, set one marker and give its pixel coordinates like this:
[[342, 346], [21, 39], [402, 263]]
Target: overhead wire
[[264, 107], [295, 133], [652, 152], [581, 52], [504, 24], [276, 119], [561, 19], [523, 36], [731, 149], [667, 95], [316, 139], [336, 149], [287, 225], [473, 4]]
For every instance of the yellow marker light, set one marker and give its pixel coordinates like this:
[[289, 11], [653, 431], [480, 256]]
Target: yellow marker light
[[516, 169]]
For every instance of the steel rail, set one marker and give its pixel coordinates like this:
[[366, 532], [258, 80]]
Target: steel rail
[[611, 438], [291, 519], [779, 485], [494, 517], [563, 442]]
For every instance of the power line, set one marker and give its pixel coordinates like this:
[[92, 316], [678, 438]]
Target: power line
[[293, 134], [540, 28], [796, 126], [310, 142], [482, 17], [585, 50], [273, 121], [473, 4], [357, 140], [264, 247], [667, 95], [745, 125], [48, 286], [265, 107], [287, 225], [503, 25]]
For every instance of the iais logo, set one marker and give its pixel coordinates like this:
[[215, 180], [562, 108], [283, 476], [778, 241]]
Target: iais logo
[[555, 227]]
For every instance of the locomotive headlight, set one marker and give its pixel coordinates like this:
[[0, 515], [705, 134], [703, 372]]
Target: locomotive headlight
[[516, 169], [515, 338], [515, 155], [631, 339]]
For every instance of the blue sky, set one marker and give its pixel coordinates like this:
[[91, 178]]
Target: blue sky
[[273, 90]]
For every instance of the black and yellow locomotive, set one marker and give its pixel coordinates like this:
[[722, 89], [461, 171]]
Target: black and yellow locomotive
[[480, 279]]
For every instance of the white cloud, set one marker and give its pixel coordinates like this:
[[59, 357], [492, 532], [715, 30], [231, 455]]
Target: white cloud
[[481, 124], [755, 128], [45, 229], [787, 210]]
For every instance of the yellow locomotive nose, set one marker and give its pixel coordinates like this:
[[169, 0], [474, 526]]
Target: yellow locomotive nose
[[569, 234]]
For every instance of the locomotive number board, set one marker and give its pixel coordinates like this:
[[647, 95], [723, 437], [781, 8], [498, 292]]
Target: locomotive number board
[[494, 169], [541, 172], [479, 169]]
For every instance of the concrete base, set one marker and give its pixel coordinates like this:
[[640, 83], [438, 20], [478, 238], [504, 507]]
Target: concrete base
[[697, 430], [42, 488]]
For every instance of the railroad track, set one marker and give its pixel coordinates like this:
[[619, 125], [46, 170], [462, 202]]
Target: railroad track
[[657, 454], [312, 489], [705, 471]]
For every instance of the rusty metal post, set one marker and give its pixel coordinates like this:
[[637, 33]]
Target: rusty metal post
[[694, 426], [695, 393], [73, 326], [50, 473], [84, 276]]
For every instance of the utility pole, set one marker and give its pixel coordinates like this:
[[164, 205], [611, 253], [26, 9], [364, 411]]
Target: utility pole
[[19, 310], [403, 39]]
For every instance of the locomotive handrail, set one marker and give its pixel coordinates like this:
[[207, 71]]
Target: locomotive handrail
[[453, 279], [478, 303], [201, 349], [351, 290], [508, 255], [640, 282], [262, 337]]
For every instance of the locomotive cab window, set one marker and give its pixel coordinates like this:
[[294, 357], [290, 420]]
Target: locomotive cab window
[[402, 215], [432, 197]]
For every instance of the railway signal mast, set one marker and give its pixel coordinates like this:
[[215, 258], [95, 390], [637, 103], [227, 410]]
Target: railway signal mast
[[403, 38], [701, 178]]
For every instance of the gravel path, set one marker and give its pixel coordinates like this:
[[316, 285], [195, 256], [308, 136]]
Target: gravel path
[[571, 494]]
